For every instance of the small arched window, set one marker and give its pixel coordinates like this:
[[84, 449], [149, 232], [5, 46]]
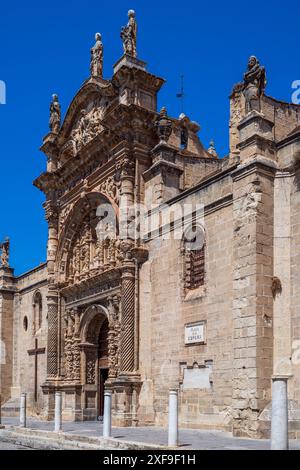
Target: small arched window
[[194, 257], [37, 311]]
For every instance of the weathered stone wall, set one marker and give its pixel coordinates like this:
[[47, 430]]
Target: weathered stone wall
[[23, 364], [6, 343], [165, 309]]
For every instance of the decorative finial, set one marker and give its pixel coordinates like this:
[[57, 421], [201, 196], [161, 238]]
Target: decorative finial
[[5, 252], [96, 66], [211, 149], [55, 115], [163, 125], [128, 35], [254, 84]]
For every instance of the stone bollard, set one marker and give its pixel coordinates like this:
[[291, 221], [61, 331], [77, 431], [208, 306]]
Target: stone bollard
[[173, 418], [107, 414], [23, 410], [57, 413], [279, 420]]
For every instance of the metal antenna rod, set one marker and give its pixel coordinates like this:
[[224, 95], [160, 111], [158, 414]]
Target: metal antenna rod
[[181, 94]]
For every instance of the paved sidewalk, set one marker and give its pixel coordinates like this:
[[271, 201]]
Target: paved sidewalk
[[188, 438], [9, 446]]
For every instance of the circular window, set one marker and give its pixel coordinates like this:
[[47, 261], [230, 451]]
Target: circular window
[[25, 323]]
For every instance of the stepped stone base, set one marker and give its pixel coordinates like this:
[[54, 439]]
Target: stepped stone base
[[11, 408], [39, 439]]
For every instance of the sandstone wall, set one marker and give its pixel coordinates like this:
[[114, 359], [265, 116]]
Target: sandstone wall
[[202, 372], [24, 340]]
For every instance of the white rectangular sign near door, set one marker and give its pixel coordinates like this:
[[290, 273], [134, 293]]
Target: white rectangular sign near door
[[195, 333]]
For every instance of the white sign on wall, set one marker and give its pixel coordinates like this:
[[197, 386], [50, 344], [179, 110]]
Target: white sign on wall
[[195, 333]]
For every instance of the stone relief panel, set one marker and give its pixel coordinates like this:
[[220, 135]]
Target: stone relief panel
[[72, 349], [87, 126], [94, 249], [90, 367]]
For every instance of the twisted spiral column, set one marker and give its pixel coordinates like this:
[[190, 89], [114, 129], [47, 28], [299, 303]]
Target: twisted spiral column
[[128, 317], [52, 349]]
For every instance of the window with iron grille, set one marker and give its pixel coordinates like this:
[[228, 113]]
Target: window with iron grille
[[194, 253]]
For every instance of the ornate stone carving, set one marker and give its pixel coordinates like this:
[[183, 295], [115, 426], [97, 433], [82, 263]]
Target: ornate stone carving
[[55, 115], [114, 335], [128, 318], [254, 84], [87, 127], [111, 188], [5, 253], [163, 126], [94, 248], [128, 35], [52, 341], [64, 215], [125, 167], [97, 57], [90, 367], [76, 360], [51, 213], [68, 359], [72, 340]]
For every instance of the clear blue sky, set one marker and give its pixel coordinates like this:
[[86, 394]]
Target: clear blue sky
[[45, 48]]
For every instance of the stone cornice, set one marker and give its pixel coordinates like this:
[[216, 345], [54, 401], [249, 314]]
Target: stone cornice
[[258, 165]]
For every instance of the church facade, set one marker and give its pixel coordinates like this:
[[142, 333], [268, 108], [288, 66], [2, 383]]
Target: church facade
[[167, 267]]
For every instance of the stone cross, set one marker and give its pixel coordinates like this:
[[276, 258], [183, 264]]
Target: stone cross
[[35, 352]]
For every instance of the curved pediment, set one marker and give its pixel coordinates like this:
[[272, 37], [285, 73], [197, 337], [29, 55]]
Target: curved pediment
[[84, 116]]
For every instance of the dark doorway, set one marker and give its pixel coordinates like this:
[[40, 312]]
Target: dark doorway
[[103, 375], [102, 366]]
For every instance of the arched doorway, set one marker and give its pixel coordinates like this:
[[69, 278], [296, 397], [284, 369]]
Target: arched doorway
[[94, 346]]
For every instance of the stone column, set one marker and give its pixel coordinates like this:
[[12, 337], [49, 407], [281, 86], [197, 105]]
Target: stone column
[[58, 412], [52, 341], [128, 377], [107, 414], [173, 419], [279, 423], [128, 266], [127, 329], [52, 298], [23, 410]]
